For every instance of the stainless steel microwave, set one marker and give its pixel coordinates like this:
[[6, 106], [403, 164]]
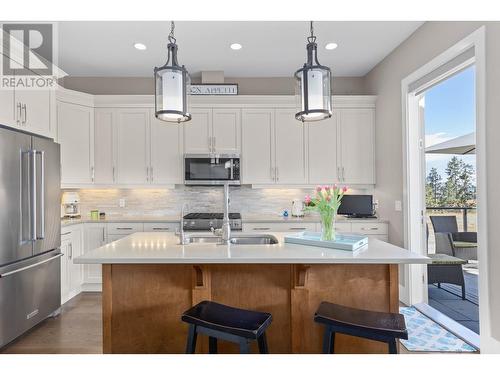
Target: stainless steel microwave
[[210, 169]]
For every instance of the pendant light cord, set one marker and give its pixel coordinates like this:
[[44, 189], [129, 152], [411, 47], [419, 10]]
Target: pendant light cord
[[312, 38], [171, 37]]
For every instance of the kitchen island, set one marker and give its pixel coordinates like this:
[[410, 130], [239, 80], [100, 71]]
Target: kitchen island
[[149, 280]]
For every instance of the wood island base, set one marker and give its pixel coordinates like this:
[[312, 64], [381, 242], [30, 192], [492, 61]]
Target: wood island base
[[143, 303]]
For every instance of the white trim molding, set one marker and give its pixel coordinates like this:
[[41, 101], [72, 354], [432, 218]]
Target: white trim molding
[[475, 40]]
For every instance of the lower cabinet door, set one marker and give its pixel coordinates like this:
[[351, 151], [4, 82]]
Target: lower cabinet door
[[65, 246], [95, 236]]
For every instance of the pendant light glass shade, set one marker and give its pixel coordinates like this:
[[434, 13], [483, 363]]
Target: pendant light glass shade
[[313, 87], [172, 84]]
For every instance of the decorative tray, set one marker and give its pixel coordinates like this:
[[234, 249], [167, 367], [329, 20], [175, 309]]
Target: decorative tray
[[349, 242]]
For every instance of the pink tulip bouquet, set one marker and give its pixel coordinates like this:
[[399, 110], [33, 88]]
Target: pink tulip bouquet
[[326, 200]]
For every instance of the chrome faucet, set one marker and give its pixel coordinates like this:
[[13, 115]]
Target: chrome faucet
[[183, 238], [226, 226]]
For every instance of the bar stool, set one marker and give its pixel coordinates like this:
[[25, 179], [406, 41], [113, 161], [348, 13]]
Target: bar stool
[[227, 323], [378, 326]]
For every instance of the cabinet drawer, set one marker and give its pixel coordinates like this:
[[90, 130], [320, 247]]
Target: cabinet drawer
[[124, 228], [278, 227], [161, 227], [340, 227], [370, 228]]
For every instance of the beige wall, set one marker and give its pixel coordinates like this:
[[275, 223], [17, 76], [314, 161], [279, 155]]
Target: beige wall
[[246, 86], [384, 80]]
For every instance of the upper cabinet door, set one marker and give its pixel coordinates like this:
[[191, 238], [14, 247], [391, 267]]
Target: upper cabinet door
[[75, 124], [197, 132], [166, 152], [226, 130], [8, 115], [322, 151], [290, 148], [35, 111], [356, 144], [258, 146], [132, 146], [104, 172]]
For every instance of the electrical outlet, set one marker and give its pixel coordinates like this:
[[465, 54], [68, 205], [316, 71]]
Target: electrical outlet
[[122, 202], [398, 206]]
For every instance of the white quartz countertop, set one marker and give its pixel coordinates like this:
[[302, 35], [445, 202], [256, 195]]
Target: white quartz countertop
[[157, 248], [245, 219]]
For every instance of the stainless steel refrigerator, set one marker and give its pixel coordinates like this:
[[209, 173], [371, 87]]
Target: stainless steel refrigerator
[[30, 231]]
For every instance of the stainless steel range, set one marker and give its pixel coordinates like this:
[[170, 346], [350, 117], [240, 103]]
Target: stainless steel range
[[205, 221]]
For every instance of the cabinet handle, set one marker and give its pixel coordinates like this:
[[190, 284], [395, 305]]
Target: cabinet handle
[[277, 174], [209, 144], [64, 234], [261, 228], [123, 228], [113, 174], [25, 117], [343, 174], [103, 238], [147, 173], [338, 174], [18, 113], [158, 228], [298, 228], [92, 169], [70, 246], [214, 143]]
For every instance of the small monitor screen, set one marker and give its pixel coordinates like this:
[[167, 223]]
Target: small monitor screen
[[356, 205]]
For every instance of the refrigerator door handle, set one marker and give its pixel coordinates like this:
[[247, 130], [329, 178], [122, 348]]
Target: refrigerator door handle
[[42, 195], [30, 266], [33, 189]]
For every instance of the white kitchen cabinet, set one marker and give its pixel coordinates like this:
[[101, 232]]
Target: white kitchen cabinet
[[226, 130], [71, 273], [7, 108], [258, 146], [95, 236], [290, 158], [75, 127], [104, 169], [198, 132], [166, 152], [356, 149], [213, 131], [132, 146], [35, 108], [322, 151]]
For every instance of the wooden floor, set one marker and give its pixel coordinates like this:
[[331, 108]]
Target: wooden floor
[[77, 330]]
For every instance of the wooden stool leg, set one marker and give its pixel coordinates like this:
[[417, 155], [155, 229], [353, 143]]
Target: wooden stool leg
[[191, 341], [212, 345], [393, 348], [244, 346], [328, 341], [262, 341]]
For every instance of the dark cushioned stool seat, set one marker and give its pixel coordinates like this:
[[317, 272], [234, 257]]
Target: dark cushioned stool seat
[[379, 326], [228, 323]]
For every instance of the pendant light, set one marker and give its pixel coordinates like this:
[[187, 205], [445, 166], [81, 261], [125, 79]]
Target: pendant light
[[172, 86], [313, 86]]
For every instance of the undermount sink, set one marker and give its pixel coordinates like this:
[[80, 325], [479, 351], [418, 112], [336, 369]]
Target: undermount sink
[[262, 239]]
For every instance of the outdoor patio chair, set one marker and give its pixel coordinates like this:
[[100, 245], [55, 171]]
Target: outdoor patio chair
[[450, 241]]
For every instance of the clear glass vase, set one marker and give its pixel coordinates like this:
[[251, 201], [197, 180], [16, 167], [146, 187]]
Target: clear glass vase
[[328, 225]]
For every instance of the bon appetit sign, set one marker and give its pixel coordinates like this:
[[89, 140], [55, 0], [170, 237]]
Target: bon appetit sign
[[213, 89]]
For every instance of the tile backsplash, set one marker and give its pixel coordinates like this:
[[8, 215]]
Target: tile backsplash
[[168, 202]]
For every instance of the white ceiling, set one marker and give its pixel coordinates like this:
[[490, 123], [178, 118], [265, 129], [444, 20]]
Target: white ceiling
[[270, 49]]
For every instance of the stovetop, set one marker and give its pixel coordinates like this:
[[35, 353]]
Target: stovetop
[[211, 216], [208, 220]]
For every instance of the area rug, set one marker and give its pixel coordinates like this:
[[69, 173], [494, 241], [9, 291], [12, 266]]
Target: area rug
[[425, 335]]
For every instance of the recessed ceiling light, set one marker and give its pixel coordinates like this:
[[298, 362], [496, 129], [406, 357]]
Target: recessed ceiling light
[[331, 45], [140, 46], [236, 46]]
